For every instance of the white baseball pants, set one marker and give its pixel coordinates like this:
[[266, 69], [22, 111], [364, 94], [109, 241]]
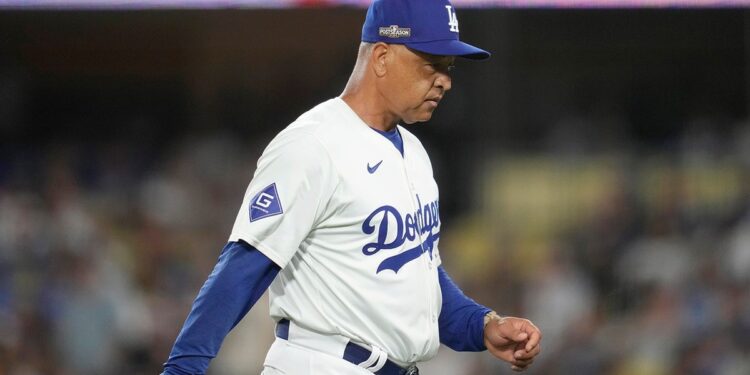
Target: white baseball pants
[[285, 358]]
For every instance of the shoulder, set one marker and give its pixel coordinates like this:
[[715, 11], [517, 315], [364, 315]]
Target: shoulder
[[319, 124], [305, 133]]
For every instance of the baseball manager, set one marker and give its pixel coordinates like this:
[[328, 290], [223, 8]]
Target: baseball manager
[[341, 222]]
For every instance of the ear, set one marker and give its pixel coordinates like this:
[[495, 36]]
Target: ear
[[378, 59]]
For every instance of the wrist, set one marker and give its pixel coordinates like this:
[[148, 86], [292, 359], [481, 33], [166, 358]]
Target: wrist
[[490, 316]]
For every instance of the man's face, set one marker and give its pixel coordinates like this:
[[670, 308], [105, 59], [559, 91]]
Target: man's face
[[416, 82]]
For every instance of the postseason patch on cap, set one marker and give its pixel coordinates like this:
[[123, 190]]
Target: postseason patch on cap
[[265, 204], [395, 32]]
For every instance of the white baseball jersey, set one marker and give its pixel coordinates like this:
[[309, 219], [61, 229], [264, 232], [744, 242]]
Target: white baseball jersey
[[355, 227]]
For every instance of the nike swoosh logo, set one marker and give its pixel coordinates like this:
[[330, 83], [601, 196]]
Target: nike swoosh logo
[[374, 167]]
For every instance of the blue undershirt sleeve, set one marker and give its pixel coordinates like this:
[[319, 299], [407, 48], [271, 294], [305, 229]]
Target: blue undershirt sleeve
[[241, 275], [461, 321]]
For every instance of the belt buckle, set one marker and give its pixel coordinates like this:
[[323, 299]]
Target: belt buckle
[[412, 370]]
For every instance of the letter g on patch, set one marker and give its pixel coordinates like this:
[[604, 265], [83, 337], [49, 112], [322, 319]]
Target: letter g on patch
[[266, 203]]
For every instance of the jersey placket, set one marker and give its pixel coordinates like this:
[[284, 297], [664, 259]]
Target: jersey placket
[[429, 266]]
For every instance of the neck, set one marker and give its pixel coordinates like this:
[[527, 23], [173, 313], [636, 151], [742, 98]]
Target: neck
[[365, 100]]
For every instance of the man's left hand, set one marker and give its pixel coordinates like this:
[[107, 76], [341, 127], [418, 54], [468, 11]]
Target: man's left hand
[[514, 340]]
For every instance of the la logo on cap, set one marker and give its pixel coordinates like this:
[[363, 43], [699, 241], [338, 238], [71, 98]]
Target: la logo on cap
[[452, 19]]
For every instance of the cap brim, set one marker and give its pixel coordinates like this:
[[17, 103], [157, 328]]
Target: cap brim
[[450, 48]]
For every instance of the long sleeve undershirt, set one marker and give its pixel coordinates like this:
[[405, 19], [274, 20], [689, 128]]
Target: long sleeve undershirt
[[461, 321], [241, 275]]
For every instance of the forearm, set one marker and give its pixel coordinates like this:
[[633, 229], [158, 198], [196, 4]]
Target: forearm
[[241, 275], [461, 319]]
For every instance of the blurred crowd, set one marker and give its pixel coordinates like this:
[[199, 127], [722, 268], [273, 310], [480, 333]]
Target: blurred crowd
[[635, 262], [632, 261], [104, 246]]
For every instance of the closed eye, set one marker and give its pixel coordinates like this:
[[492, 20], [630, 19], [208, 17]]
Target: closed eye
[[441, 67]]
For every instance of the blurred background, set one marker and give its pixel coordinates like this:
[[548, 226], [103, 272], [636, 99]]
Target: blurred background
[[595, 178]]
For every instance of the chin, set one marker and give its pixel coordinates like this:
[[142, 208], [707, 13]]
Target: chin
[[422, 117], [414, 121], [425, 118]]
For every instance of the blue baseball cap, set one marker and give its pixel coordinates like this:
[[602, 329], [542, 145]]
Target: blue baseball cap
[[428, 26]]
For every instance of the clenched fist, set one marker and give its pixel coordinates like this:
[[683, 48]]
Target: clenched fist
[[514, 340]]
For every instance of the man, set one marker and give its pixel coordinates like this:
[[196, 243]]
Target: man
[[342, 221]]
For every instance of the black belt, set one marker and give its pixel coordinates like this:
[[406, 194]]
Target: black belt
[[355, 354]]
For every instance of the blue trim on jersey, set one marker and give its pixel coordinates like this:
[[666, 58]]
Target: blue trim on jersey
[[461, 321], [395, 137], [241, 275]]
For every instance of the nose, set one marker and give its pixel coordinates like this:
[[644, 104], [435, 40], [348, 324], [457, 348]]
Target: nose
[[443, 81]]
